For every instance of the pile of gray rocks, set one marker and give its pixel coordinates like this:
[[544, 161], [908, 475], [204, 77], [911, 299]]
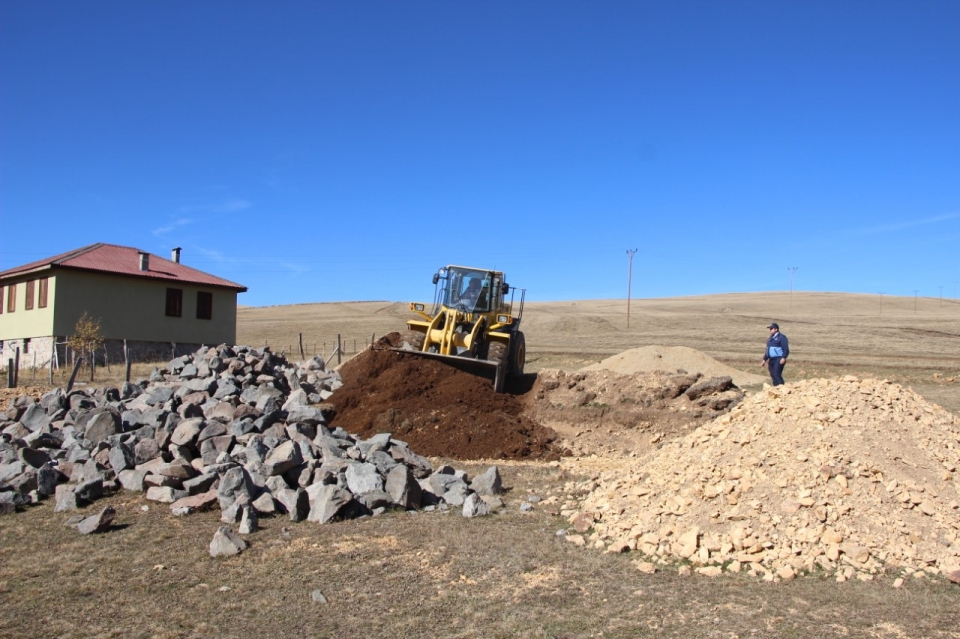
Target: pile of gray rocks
[[237, 428]]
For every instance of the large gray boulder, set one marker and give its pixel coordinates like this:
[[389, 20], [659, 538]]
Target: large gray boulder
[[475, 506], [295, 503], [101, 424], [488, 483], [363, 478], [403, 488], [327, 501], [98, 523], [122, 457], [234, 483], [282, 458], [186, 432], [35, 418], [226, 543]]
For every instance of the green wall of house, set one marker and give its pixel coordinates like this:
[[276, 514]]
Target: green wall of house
[[128, 308], [36, 322]]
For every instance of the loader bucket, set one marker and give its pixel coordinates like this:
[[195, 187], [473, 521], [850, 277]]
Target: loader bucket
[[497, 373]]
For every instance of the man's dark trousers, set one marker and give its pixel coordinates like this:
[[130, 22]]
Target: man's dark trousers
[[776, 370]]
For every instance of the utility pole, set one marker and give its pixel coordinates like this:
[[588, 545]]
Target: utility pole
[[792, 270], [880, 293], [629, 282], [915, 291]]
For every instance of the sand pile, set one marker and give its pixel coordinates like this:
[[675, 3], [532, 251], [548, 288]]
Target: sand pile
[[843, 475], [670, 359], [438, 410]]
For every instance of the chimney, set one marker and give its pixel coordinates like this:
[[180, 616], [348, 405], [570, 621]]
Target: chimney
[[175, 255], [144, 261]]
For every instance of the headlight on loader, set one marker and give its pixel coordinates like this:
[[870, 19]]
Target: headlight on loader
[[416, 307], [504, 319]]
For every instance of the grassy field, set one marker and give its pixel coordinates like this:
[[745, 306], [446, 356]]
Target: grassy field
[[509, 575], [830, 333], [418, 576]]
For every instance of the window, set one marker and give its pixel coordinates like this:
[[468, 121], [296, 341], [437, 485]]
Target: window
[[174, 302], [26, 345], [28, 306], [11, 298], [42, 302], [204, 305]]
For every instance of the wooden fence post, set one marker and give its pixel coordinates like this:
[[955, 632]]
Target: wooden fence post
[[10, 373], [73, 375], [126, 360], [16, 369], [52, 355], [339, 352], [300, 343]]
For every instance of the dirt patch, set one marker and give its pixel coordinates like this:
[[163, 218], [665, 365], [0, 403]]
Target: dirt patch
[[438, 410], [604, 413], [7, 395]]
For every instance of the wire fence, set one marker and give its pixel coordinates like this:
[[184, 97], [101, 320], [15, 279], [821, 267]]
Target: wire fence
[[21, 368]]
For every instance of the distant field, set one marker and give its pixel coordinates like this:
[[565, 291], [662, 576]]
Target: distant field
[[508, 575], [830, 333]]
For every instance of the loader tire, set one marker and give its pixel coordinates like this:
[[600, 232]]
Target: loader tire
[[497, 353], [412, 338], [518, 354]]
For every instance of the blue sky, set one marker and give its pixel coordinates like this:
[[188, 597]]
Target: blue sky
[[324, 151]]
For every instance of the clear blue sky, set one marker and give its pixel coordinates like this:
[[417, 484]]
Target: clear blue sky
[[323, 151]]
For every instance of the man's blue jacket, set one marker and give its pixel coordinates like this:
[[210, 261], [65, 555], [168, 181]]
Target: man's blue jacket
[[777, 347]]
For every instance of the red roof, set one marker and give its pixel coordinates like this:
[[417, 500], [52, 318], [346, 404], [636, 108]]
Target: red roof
[[124, 260]]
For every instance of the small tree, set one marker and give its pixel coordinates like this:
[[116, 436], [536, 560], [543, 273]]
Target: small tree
[[86, 338]]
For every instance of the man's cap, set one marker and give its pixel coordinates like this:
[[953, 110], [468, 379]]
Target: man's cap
[[774, 325]]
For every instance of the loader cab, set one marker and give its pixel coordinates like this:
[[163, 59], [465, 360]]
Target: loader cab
[[470, 290]]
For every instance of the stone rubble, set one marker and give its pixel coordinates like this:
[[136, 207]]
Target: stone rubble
[[846, 476], [236, 428]]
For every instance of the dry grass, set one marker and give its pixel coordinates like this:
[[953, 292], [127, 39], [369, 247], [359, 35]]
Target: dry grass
[[830, 333], [439, 575], [403, 575]]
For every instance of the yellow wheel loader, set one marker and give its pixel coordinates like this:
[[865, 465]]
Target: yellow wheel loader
[[474, 324]]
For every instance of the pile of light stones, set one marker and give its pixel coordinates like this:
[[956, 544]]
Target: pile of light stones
[[237, 428], [849, 476]]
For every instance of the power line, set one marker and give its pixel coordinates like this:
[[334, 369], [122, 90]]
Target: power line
[[629, 282], [792, 270]]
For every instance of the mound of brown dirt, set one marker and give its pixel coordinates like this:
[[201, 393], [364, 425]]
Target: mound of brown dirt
[[673, 358], [438, 410]]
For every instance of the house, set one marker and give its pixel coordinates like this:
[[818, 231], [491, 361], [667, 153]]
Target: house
[[159, 306]]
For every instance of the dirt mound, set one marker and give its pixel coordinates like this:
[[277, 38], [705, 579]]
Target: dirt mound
[[604, 413], [843, 475], [673, 358], [438, 410]]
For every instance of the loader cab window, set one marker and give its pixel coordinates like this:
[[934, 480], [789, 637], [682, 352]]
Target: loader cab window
[[469, 290]]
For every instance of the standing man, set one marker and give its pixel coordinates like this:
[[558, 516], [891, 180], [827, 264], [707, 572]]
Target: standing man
[[776, 355]]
